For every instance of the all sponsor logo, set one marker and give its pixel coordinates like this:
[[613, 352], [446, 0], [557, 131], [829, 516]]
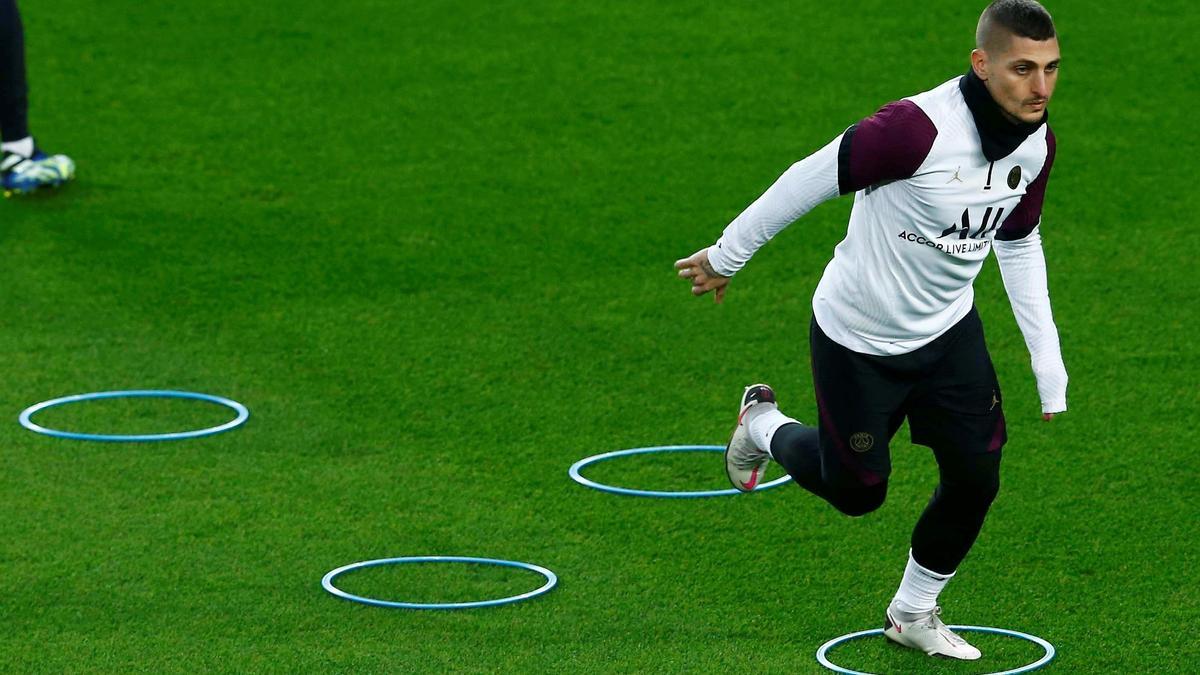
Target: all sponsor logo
[[953, 248], [973, 238]]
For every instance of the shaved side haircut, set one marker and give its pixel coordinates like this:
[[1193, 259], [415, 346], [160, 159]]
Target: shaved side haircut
[[1023, 18]]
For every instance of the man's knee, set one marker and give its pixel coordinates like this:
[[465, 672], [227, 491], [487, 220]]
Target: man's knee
[[988, 487], [860, 501], [979, 488]]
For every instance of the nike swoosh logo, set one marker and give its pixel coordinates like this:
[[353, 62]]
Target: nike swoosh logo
[[742, 414], [753, 480]]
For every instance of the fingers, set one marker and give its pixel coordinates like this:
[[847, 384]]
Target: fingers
[[702, 285], [1046, 417], [692, 268], [689, 268], [692, 260], [695, 273]]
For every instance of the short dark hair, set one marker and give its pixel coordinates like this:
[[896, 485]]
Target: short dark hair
[[1023, 18]]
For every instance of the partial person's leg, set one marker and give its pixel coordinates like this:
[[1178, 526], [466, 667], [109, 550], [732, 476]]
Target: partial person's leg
[[14, 107], [24, 168], [955, 514], [956, 411], [845, 459], [948, 527]]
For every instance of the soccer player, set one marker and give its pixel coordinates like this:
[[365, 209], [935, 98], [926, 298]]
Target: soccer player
[[939, 180], [24, 168]]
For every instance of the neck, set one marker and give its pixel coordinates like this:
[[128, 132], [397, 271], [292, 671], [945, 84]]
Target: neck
[[999, 131]]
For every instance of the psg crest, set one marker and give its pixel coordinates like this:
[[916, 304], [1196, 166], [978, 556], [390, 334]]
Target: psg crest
[[862, 441]]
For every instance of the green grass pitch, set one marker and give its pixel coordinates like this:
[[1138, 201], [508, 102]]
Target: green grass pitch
[[429, 245]]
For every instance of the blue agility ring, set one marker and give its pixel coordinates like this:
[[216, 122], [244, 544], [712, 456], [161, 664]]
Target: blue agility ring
[[242, 415], [577, 467], [327, 582], [1046, 658]]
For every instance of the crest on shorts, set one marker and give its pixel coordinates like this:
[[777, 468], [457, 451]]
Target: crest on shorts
[[1014, 177], [862, 441]]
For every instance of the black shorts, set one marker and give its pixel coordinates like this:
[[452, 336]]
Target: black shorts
[[947, 390]]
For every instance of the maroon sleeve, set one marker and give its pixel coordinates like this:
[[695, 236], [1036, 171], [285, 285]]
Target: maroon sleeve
[[1028, 213], [889, 145]]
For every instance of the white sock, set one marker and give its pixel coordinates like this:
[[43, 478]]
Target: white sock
[[919, 589], [762, 421], [23, 147]]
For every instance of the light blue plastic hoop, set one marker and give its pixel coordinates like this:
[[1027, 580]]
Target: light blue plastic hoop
[[327, 582], [577, 467], [1046, 658], [242, 415]]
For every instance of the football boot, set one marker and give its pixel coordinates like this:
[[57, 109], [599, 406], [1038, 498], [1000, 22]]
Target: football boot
[[745, 462]]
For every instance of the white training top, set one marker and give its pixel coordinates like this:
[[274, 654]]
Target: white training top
[[939, 179]]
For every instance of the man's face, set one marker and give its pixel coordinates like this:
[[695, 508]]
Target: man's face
[[1021, 75]]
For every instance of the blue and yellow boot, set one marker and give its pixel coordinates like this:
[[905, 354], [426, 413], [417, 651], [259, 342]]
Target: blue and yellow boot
[[22, 175]]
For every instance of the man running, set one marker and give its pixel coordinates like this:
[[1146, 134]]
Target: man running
[[939, 179]]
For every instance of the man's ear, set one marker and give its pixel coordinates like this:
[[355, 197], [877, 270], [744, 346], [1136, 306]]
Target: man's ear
[[979, 63]]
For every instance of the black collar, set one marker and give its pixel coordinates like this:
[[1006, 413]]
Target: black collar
[[998, 134]]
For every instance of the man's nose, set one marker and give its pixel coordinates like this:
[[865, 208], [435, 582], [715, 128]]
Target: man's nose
[[1039, 84]]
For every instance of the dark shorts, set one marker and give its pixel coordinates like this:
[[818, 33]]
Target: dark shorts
[[947, 390]]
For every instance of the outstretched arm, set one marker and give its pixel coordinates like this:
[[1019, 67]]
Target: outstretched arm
[[889, 145], [805, 184], [802, 187], [1023, 268]]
